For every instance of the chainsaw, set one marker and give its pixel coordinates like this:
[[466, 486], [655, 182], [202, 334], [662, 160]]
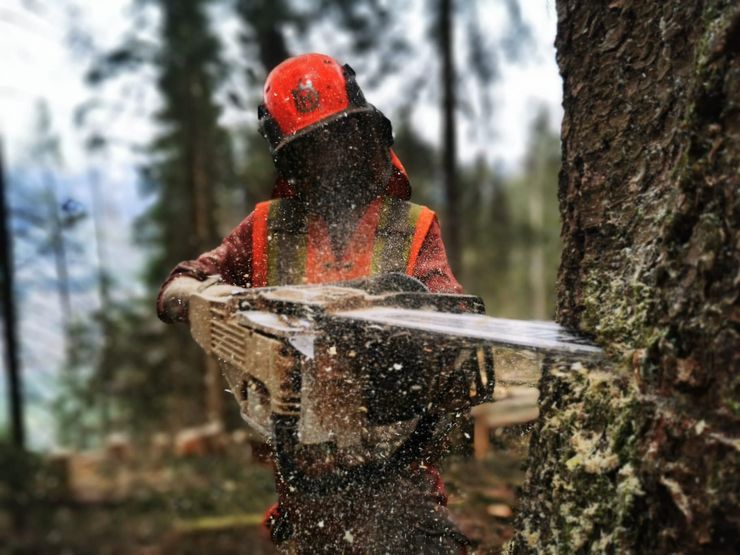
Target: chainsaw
[[349, 380]]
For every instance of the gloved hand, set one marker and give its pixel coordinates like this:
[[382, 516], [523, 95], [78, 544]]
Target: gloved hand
[[176, 296]]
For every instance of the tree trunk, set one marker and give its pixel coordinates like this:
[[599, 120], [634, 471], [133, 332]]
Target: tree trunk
[[449, 134], [266, 18], [202, 185], [10, 322], [640, 454]]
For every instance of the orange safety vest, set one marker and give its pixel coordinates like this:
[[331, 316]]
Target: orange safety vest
[[290, 248]]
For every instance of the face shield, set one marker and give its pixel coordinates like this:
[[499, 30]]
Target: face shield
[[343, 163]]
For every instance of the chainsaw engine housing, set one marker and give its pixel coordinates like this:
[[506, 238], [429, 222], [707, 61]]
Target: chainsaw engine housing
[[355, 390]]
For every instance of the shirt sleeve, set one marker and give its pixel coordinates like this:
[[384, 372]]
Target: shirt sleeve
[[432, 267], [232, 259]]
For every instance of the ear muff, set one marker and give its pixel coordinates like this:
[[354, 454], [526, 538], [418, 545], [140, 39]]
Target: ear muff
[[268, 127], [384, 127], [354, 94]]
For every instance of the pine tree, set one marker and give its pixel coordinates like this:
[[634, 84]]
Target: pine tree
[[151, 371]]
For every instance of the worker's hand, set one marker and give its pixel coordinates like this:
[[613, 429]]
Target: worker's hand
[[176, 296]]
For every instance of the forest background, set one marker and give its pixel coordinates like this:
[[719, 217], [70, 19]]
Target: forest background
[[125, 125], [634, 453]]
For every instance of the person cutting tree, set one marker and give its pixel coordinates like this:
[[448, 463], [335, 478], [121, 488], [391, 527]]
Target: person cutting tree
[[339, 212]]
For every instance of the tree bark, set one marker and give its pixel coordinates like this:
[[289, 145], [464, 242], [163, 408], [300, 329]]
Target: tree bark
[[640, 454]]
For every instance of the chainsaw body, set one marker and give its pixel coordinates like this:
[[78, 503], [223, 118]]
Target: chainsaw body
[[351, 391]]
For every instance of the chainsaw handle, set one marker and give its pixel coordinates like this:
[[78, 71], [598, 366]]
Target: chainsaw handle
[[287, 446], [285, 438]]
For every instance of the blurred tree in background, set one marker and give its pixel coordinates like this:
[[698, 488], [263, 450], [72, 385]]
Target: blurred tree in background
[[512, 251], [155, 375], [47, 223]]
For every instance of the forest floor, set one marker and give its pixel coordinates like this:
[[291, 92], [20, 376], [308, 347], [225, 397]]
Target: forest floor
[[214, 504]]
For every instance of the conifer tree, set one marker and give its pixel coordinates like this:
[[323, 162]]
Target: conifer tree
[[150, 370]]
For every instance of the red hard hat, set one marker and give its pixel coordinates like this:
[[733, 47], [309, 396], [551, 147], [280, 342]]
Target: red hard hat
[[309, 91], [305, 92]]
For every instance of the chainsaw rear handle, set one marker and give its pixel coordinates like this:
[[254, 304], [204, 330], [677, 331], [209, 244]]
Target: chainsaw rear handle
[[287, 447]]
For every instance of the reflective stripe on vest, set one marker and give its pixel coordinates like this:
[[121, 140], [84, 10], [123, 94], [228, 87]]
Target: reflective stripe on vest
[[284, 253]]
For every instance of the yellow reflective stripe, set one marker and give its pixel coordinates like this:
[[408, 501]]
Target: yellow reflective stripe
[[380, 237], [414, 213], [394, 236], [273, 249], [287, 240]]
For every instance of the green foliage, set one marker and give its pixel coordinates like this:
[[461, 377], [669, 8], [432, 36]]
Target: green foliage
[[256, 172], [510, 234], [76, 405], [510, 224], [421, 161]]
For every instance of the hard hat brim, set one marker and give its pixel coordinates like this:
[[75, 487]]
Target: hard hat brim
[[286, 140]]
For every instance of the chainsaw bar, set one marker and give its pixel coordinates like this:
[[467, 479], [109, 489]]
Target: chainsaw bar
[[547, 338]]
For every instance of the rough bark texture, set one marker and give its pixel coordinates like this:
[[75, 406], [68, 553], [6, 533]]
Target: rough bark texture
[[641, 454]]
